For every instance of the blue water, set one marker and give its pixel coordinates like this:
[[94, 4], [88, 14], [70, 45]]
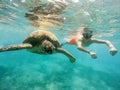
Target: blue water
[[22, 70]]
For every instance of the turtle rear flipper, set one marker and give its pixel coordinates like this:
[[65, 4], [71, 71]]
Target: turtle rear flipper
[[71, 57], [15, 47]]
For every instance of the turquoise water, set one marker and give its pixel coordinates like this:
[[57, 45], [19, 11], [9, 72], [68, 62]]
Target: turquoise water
[[22, 70]]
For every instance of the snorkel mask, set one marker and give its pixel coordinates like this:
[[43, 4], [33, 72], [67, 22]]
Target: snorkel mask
[[87, 34]]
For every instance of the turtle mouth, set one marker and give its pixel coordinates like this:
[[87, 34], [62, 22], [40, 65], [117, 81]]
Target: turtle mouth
[[48, 47], [48, 50]]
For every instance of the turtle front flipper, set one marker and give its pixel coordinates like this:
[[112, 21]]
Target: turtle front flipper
[[71, 57], [16, 47]]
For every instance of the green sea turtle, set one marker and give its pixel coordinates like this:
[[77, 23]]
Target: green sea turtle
[[40, 42]]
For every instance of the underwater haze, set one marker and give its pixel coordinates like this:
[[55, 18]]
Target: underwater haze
[[23, 70]]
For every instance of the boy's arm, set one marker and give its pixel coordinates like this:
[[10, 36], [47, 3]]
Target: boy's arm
[[80, 47], [108, 43], [113, 50]]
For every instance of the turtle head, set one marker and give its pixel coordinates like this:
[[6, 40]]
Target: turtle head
[[48, 47]]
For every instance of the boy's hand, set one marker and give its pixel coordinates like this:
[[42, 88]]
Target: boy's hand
[[93, 55], [113, 51]]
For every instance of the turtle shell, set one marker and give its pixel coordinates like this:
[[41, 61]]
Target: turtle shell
[[36, 38]]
